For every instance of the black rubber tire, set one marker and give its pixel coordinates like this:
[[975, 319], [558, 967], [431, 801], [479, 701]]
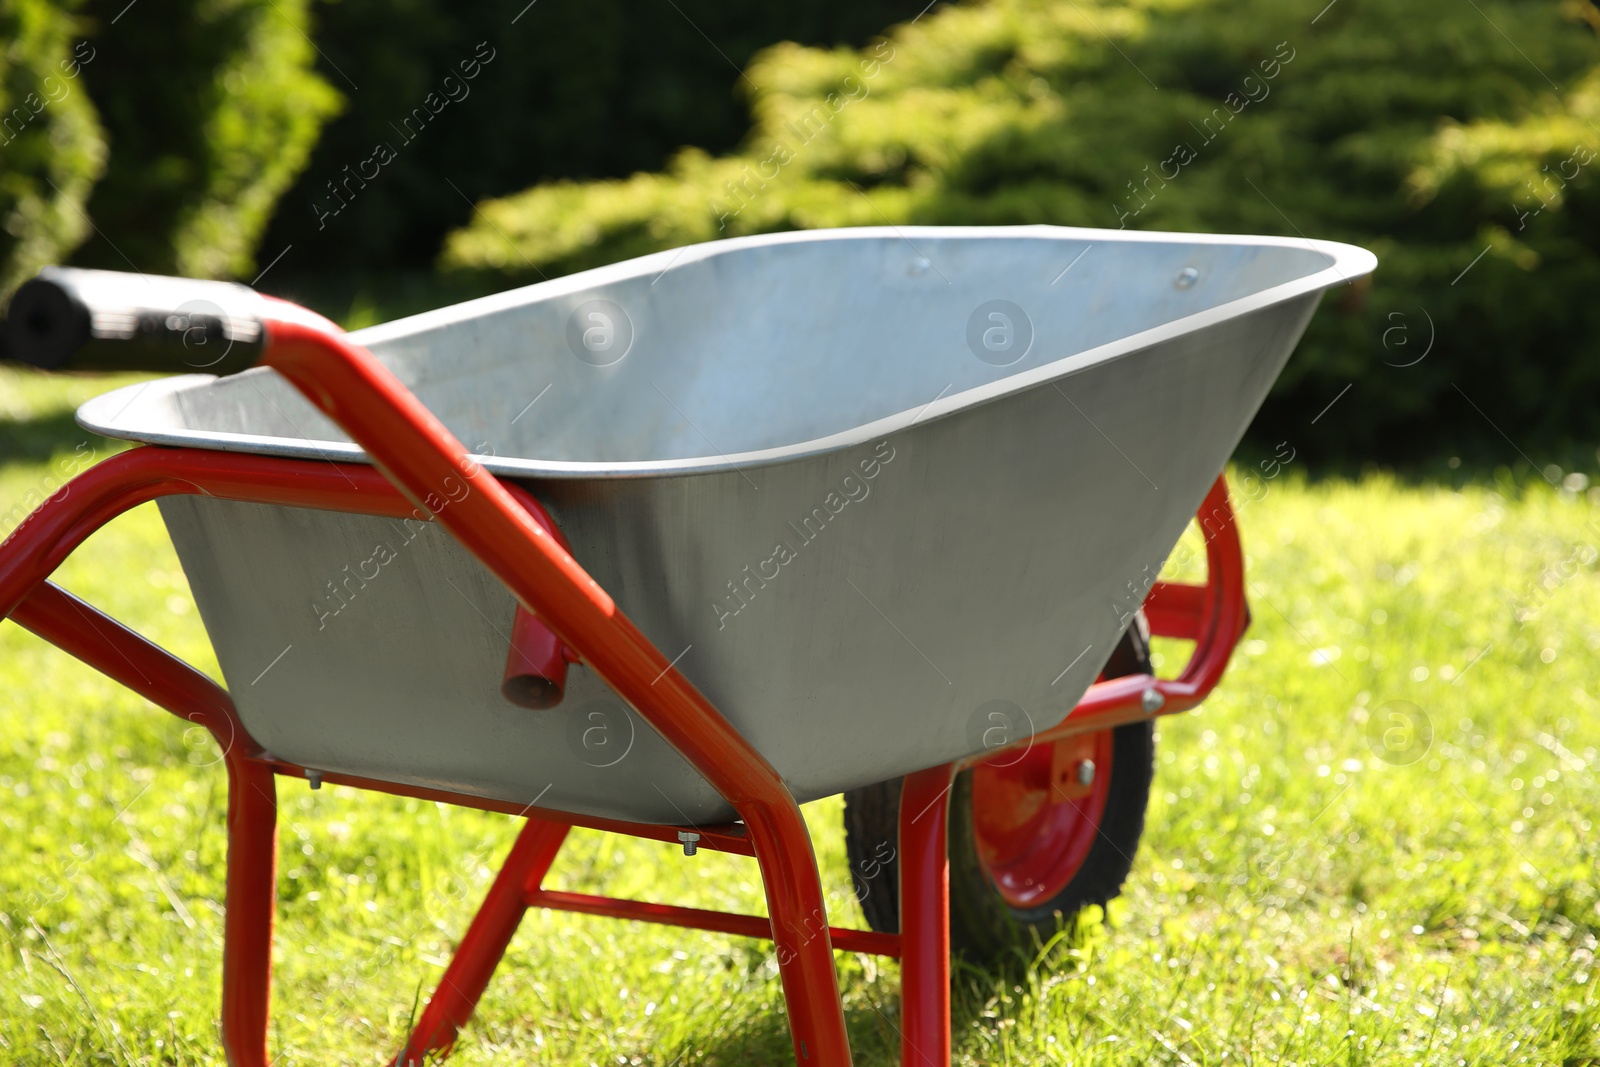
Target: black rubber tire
[[983, 927]]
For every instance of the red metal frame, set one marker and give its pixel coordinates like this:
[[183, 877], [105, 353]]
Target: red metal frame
[[422, 470]]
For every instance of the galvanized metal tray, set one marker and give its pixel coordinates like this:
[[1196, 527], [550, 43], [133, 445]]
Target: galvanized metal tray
[[866, 485]]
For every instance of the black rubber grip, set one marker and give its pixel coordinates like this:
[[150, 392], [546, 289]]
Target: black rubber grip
[[72, 319]]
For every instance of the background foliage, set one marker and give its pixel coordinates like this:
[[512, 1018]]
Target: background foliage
[[595, 89], [51, 147], [1458, 141], [210, 110], [1431, 133]]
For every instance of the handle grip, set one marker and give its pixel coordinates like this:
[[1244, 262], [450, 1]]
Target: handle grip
[[68, 318]]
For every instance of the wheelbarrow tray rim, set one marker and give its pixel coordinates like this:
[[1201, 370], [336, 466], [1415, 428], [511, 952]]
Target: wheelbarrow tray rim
[[119, 413]]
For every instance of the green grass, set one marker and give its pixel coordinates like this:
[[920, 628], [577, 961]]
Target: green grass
[[1303, 894]]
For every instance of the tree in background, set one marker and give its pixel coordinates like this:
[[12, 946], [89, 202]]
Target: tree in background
[[595, 89], [1458, 141], [210, 108], [51, 148]]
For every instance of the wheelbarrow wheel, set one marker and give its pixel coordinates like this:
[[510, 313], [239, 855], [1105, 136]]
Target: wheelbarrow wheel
[[1026, 856]]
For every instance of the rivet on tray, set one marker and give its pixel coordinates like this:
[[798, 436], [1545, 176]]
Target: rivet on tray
[[315, 778], [920, 265], [690, 841], [1152, 700], [1186, 278]]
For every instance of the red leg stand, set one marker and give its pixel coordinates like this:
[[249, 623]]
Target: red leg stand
[[925, 919], [484, 942], [247, 925], [799, 932]]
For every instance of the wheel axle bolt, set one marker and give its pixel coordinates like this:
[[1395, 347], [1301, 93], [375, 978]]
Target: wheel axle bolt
[[1086, 772], [1152, 700], [690, 842]]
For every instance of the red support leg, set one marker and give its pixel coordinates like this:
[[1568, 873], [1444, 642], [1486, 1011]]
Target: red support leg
[[484, 942], [252, 885], [925, 919], [799, 932]]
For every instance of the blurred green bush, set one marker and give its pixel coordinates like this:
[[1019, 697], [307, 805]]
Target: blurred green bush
[[51, 146], [210, 108], [596, 89], [1431, 132]]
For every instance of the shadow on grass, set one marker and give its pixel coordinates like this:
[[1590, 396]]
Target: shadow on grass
[[873, 1019], [764, 1040]]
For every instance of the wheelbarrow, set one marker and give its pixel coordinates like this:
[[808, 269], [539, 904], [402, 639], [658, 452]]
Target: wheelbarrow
[[670, 547]]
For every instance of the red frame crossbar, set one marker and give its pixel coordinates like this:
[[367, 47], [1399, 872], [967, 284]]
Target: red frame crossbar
[[420, 467]]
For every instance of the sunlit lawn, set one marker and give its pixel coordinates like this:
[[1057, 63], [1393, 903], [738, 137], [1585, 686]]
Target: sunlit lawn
[[1304, 894]]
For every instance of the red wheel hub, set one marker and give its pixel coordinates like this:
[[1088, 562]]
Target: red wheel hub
[[1035, 816]]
